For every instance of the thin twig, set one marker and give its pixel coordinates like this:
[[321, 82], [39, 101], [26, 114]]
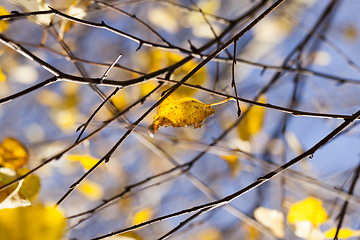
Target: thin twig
[[233, 83], [136, 18], [344, 208]]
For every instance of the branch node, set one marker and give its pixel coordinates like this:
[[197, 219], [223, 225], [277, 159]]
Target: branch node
[[140, 45]]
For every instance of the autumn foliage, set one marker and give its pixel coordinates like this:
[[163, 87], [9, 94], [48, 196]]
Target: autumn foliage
[[196, 119]]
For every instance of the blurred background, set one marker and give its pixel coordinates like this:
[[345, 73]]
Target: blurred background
[[303, 56]]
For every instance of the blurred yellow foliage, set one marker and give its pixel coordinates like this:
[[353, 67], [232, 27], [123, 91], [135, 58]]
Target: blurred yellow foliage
[[343, 233], [350, 32], [234, 165], [3, 24], [180, 113], [12, 153], [209, 234], [158, 59], [91, 190], [63, 106], [31, 223], [272, 219], [19, 194], [31, 185], [2, 75], [309, 209], [253, 121], [86, 160], [121, 99], [251, 232], [143, 215], [126, 236]]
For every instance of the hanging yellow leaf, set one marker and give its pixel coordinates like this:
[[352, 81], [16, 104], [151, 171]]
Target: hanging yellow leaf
[[143, 215], [180, 113], [91, 190], [234, 165], [252, 122], [343, 233], [86, 160], [272, 219], [31, 223], [309, 209], [12, 153], [3, 24]]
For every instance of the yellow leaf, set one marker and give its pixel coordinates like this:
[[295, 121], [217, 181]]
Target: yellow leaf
[[31, 223], [2, 75], [12, 153], [7, 175], [180, 113], [343, 233], [3, 24], [30, 187], [14, 200], [309, 209], [86, 160], [5, 193], [91, 190], [234, 165], [143, 215], [252, 122], [20, 194], [272, 219]]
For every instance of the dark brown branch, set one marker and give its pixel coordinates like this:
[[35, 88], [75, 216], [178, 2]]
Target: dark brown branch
[[103, 25], [17, 15]]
